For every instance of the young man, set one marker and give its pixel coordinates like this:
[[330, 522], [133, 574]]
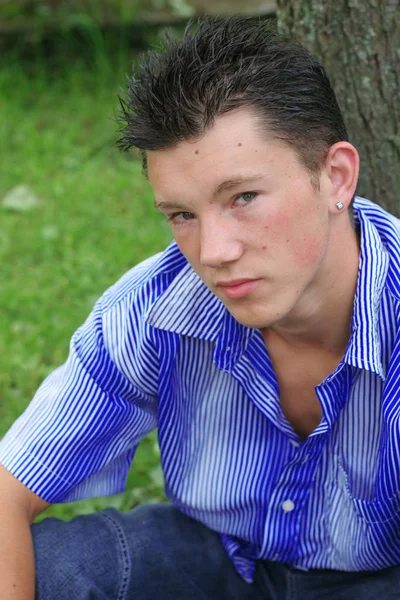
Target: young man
[[263, 344]]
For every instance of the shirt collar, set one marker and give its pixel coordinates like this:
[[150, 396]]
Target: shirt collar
[[364, 347], [188, 307]]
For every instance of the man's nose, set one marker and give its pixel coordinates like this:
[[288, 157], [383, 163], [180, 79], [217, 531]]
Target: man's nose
[[219, 245]]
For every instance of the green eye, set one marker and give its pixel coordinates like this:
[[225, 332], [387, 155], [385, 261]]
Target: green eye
[[245, 198], [248, 196], [178, 217]]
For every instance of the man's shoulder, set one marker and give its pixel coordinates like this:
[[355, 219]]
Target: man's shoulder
[[376, 214], [383, 230], [146, 281]]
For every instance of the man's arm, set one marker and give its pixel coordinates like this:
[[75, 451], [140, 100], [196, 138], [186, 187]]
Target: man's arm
[[18, 507]]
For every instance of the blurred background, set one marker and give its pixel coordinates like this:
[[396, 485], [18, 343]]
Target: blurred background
[[76, 214]]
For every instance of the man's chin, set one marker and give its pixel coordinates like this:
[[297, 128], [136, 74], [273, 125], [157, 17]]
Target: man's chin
[[251, 320]]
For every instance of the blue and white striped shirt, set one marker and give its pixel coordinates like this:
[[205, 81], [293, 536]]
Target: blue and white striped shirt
[[160, 350]]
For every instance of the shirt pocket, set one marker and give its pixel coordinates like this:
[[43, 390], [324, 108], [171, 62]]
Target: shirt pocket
[[371, 512], [364, 533]]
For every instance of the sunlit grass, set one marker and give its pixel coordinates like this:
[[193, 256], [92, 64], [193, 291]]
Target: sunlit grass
[[94, 220]]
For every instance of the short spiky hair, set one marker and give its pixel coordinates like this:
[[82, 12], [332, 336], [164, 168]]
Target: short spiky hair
[[224, 64]]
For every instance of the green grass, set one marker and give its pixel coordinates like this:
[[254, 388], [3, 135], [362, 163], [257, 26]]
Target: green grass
[[94, 220]]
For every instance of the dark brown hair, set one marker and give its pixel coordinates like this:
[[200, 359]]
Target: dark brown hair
[[221, 65]]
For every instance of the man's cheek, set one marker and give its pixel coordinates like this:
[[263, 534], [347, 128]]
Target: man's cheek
[[286, 239], [307, 252]]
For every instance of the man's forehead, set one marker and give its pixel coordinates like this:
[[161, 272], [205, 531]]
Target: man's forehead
[[232, 152], [233, 125]]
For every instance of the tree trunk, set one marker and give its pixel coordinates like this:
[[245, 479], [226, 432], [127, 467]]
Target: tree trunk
[[358, 42]]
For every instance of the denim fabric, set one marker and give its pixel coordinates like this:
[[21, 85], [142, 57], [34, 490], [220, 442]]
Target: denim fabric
[[154, 552]]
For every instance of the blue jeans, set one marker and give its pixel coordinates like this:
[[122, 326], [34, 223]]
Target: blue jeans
[[154, 552]]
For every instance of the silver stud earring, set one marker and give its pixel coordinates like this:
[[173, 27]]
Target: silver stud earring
[[339, 205]]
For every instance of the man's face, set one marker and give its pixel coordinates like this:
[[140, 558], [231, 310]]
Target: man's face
[[245, 215]]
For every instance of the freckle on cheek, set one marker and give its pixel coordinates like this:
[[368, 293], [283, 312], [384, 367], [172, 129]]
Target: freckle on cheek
[[197, 151], [240, 144]]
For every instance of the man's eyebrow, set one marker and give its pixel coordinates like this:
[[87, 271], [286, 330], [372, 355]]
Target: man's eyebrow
[[231, 183], [166, 204], [224, 186]]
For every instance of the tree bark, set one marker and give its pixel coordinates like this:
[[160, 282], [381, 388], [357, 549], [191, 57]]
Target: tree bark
[[358, 42]]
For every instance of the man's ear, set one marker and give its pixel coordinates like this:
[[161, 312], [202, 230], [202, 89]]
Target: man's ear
[[342, 167]]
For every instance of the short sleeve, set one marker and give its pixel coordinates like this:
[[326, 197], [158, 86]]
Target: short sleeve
[[78, 436]]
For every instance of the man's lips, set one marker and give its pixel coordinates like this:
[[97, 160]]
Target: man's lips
[[238, 288]]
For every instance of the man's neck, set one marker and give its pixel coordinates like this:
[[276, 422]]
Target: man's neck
[[323, 317]]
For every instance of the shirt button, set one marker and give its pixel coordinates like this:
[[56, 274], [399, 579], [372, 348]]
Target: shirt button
[[288, 506]]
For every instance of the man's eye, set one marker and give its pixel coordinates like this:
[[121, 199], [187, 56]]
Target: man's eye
[[180, 216], [245, 198]]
